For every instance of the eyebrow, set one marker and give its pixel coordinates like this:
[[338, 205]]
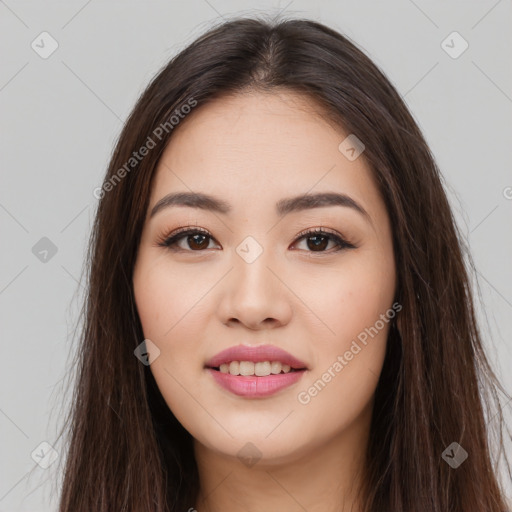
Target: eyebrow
[[283, 206]]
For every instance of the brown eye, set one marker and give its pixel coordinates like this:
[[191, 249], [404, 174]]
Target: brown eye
[[317, 240], [196, 240]]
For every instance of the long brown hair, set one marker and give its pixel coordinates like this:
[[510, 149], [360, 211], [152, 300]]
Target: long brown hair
[[127, 451]]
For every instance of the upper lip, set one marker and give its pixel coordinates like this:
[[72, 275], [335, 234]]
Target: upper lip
[[255, 354]]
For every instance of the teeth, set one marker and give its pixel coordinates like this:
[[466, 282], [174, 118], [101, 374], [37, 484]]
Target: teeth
[[246, 368], [276, 367], [260, 369]]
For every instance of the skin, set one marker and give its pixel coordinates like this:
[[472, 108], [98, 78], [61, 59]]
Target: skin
[[251, 150]]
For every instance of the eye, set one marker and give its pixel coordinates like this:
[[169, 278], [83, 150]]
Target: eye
[[196, 238], [199, 239], [318, 239]]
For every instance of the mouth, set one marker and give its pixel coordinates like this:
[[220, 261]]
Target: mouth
[[255, 372], [255, 386], [255, 360], [255, 369]]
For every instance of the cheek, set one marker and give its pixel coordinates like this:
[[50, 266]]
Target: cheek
[[353, 302], [164, 298], [357, 308], [172, 316], [337, 399], [168, 307]]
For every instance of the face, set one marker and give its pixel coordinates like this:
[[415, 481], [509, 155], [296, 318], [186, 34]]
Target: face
[[314, 279]]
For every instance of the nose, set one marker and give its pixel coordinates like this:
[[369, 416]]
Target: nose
[[255, 294]]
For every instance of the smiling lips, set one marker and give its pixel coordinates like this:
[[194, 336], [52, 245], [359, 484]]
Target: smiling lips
[[255, 371]]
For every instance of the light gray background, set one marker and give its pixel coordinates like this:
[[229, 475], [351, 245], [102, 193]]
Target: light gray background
[[60, 117]]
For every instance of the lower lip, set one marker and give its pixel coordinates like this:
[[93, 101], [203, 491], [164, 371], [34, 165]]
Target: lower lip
[[255, 387]]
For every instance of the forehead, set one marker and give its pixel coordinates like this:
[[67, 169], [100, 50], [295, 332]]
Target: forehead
[[260, 146]]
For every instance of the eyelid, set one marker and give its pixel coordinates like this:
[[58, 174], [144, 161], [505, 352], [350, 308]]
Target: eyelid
[[188, 229], [310, 231]]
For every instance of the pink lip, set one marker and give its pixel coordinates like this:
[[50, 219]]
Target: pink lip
[[256, 355], [255, 387]]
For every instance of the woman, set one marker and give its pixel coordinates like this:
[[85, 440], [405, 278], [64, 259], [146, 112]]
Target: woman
[[279, 315]]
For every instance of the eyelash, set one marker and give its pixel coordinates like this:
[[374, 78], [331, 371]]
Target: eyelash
[[169, 241]]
